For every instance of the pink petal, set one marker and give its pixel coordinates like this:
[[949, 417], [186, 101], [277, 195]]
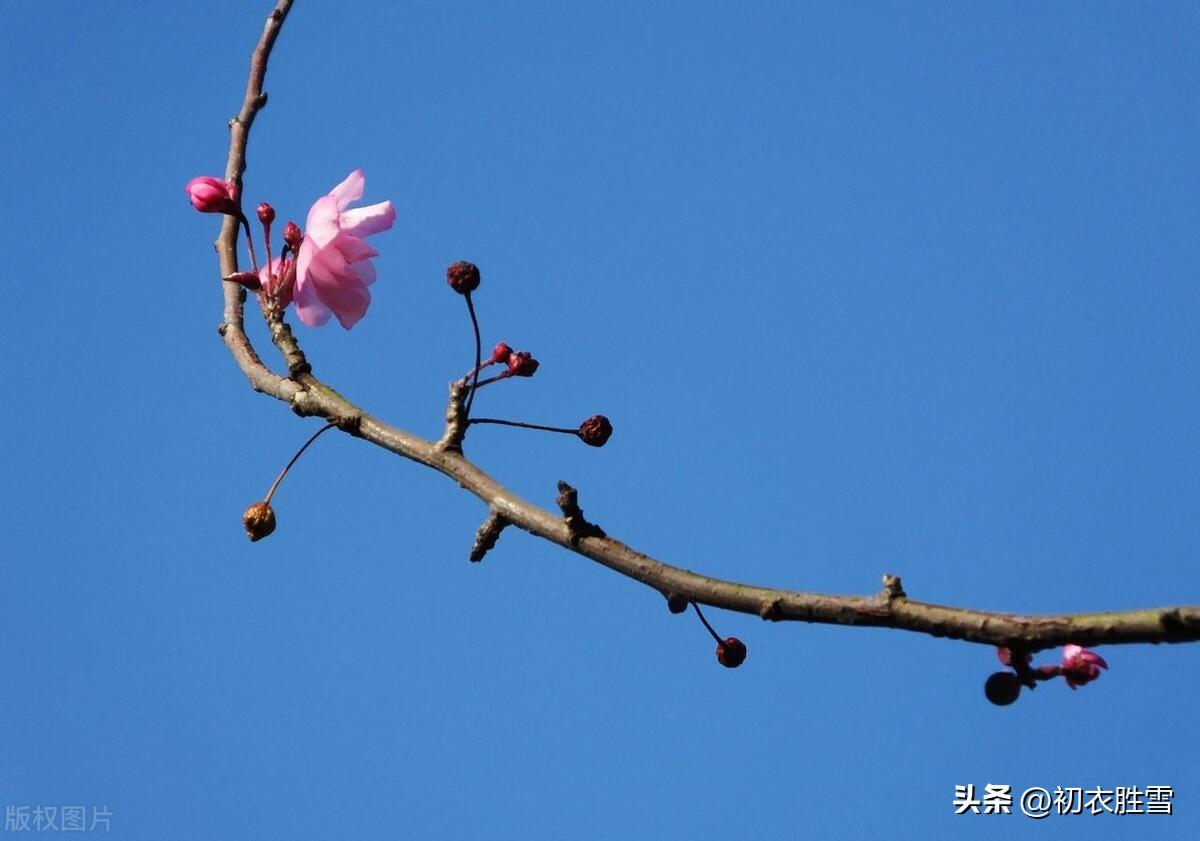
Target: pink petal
[[322, 223], [364, 271], [349, 190], [364, 221], [353, 249], [308, 307], [337, 286]]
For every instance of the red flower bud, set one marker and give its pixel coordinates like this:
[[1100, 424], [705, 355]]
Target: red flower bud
[[501, 353], [731, 653], [463, 277], [266, 213], [212, 195], [248, 279], [522, 364], [595, 431], [292, 236], [259, 521]]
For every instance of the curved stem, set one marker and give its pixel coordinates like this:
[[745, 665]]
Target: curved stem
[[715, 635], [299, 452], [478, 354]]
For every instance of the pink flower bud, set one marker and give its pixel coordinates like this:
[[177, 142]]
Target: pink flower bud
[[522, 364], [213, 195], [463, 277], [595, 431], [501, 353], [1080, 666], [266, 213]]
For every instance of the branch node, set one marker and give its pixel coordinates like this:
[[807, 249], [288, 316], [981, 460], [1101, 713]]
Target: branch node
[[350, 424], [222, 329], [456, 419], [893, 590], [771, 611], [577, 526], [677, 602], [488, 534]]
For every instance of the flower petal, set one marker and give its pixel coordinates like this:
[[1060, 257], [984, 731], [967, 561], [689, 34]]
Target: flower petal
[[322, 223], [349, 190], [353, 249], [308, 307], [364, 221], [338, 287], [364, 271]]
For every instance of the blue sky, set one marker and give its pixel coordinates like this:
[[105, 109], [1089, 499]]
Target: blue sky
[[864, 288]]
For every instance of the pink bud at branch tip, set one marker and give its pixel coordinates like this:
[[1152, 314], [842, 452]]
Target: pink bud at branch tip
[[595, 431], [212, 195], [463, 277], [1080, 666], [266, 214]]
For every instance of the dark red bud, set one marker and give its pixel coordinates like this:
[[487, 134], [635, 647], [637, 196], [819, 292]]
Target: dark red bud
[[266, 213], [1002, 688], [292, 236], [595, 431], [259, 521], [677, 603], [731, 653], [248, 279], [463, 277], [522, 364], [501, 353]]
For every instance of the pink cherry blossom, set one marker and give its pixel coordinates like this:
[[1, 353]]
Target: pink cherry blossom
[[1080, 666], [212, 195], [333, 267]]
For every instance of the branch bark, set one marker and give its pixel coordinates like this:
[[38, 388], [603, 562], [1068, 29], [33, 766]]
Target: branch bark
[[889, 608]]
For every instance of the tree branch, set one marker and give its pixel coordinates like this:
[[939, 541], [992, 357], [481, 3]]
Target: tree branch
[[890, 608]]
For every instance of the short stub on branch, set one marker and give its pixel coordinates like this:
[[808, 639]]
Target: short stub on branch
[[577, 525]]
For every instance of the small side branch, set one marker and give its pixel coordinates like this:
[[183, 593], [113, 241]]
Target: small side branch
[[488, 534], [456, 419]]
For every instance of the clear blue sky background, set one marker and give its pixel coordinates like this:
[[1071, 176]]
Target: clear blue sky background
[[863, 287]]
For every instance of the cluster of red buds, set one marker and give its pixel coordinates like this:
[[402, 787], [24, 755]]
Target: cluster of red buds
[[464, 278], [1079, 666]]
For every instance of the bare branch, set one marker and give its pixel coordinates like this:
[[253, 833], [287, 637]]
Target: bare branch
[[889, 609]]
